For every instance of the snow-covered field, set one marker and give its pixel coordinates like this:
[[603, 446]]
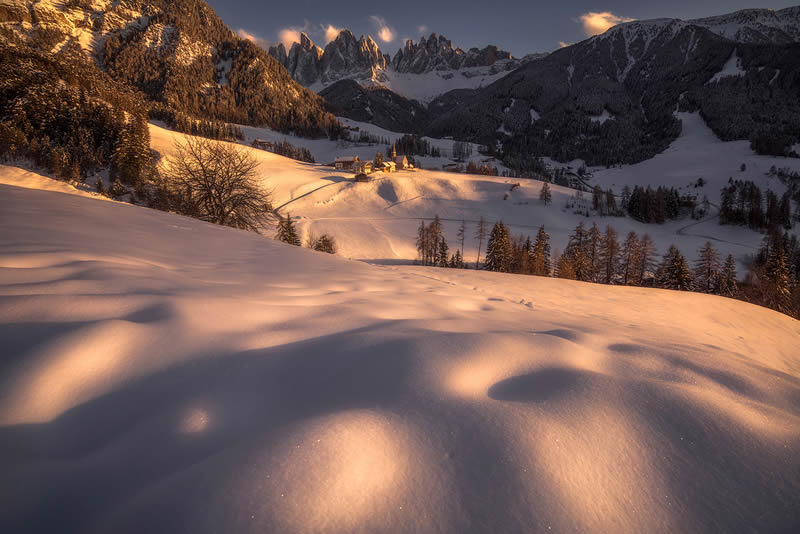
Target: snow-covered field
[[161, 374], [377, 221]]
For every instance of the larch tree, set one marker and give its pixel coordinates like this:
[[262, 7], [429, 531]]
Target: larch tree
[[461, 234], [609, 255], [545, 194], [647, 257], [728, 278], [629, 259], [480, 235]]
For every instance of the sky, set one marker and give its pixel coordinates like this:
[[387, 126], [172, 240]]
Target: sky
[[520, 27]]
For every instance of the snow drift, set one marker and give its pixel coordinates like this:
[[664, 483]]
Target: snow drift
[[161, 374]]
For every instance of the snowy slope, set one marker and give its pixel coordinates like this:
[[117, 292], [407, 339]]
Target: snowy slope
[[427, 86], [377, 221], [166, 375]]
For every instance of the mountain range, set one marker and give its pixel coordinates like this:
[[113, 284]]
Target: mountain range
[[607, 100], [610, 99], [349, 58]]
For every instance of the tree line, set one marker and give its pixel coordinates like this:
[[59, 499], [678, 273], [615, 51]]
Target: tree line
[[742, 203], [601, 256]]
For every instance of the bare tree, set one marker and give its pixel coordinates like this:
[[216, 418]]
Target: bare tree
[[217, 182], [480, 235]]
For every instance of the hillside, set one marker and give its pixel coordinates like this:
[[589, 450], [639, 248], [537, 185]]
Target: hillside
[[178, 54], [377, 221], [164, 374]]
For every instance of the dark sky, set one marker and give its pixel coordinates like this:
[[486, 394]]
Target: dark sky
[[521, 26]]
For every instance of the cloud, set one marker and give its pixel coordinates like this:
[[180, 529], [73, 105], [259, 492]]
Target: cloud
[[287, 36], [253, 38], [596, 23], [331, 32], [562, 44], [422, 30], [385, 33]]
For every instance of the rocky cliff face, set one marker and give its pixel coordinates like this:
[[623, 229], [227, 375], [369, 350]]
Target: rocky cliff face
[[176, 52], [346, 57], [436, 53]]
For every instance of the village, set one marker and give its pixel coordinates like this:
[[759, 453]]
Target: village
[[364, 168]]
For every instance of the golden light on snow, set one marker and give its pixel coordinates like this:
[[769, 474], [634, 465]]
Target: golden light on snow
[[196, 420], [75, 369], [339, 472], [597, 23]]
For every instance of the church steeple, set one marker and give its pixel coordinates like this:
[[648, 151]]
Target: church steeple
[[394, 152]]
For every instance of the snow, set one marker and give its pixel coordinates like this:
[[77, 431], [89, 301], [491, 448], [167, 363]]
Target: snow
[[34, 180], [535, 115], [603, 117], [732, 67], [377, 221], [425, 87], [166, 375]]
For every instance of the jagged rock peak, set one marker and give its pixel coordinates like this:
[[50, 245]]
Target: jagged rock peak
[[436, 52]]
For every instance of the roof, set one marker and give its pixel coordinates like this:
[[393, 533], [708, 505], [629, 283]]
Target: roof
[[342, 159], [399, 158]]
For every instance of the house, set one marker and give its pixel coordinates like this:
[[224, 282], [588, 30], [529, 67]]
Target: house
[[388, 166], [346, 163], [364, 167], [262, 144]]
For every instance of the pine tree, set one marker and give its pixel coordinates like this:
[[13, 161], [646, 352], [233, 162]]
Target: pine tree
[[117, 189], [626, 197], [778, 291], [480, 235], [498, 249], [674, 272], [324, 243], [287, 231], [443, 252], [609, 255], [457, 261], [540, 255], [545, 195], [707, 269]]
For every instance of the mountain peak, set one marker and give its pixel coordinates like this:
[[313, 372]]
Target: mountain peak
[[436, 52]]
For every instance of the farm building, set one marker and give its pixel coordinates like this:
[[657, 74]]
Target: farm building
[[347, 163]]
